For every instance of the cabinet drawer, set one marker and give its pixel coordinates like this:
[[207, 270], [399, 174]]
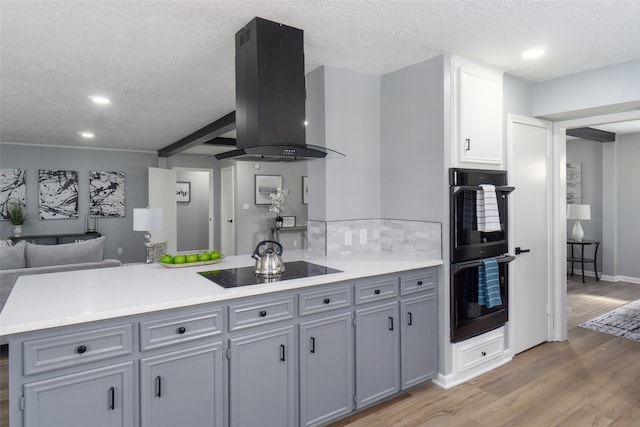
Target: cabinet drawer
[[61, 351], [260, 312], [324, 300], [418, 281], [376, 290], [480, 353], [187, 327]]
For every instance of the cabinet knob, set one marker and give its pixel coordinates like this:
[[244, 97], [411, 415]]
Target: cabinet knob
[[484, 353], [181, 330], [327, 301], [377, 292], [263, 313], [419, 283], [81, 349]]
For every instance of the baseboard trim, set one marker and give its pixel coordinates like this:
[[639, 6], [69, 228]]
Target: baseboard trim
[[454, 379]]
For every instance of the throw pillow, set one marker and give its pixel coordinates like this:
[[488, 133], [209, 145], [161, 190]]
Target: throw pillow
[[12, 257], [67, 253], [6, 243]]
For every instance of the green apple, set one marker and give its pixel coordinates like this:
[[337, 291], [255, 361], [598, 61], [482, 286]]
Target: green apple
[[192, 258], [204, 256], [215, 254], [166, 258], [179, 259]]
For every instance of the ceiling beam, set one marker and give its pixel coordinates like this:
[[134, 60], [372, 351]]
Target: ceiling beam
[[221, 142], [209, 132], [592, 134]]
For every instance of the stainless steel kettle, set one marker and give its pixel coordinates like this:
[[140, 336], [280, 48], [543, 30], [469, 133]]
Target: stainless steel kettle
[[268, 262]]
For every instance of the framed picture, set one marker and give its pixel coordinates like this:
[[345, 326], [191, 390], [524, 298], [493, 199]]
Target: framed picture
[[265, 185], [183, 191], [106, 194], [305, 191], [288, 221], [58, 194]]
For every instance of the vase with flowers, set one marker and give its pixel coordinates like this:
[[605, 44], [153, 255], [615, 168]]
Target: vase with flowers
[[277, 204]]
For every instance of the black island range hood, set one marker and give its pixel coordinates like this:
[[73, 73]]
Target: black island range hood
[[270, 95]]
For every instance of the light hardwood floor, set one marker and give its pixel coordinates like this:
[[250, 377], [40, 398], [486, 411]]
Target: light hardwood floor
[[592, 379]]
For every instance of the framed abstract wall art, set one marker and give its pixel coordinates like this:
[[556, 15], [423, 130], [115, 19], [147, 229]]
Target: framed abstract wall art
[[58, 194], [12, 187], [106, 194]]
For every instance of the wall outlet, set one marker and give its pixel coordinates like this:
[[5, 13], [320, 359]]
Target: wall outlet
[[295, 243], [119, 251], [347, 238], [245, 206], [363, 236]]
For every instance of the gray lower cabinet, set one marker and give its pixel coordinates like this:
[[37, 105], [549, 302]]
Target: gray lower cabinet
[[377, 353], [326, 369], [419, 339], [262, 384], [101, 397], [183, 388]]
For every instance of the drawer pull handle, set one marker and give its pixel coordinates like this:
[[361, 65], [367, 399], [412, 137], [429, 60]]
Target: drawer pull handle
[[377, 292], [390, 323], [181, 330], [467, 143], [326, 301], [158, 386], [313, 345], [419, 283], [484, 353], [81, 349], [282, 352], [263, 313], [112, 398], [410, 318]]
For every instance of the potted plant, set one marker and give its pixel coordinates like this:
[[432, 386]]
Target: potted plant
[[17, 216]]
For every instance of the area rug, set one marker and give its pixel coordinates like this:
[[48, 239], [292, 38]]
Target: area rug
[[622, 322]]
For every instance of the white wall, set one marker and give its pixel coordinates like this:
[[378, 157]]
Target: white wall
[[347, 121], [193, 217], [589, 155], [628, 209], [587, 93], [412, 142]]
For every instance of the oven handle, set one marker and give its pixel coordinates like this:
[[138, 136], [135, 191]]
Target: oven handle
[[477, 263], [455, 189]]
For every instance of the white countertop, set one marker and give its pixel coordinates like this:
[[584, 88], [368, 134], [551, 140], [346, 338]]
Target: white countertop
[[66, 298]]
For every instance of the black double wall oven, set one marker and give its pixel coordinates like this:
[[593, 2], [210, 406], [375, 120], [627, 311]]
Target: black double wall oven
[[470, 245]]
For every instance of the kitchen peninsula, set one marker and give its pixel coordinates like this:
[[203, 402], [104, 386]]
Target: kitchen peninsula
[[152, 346]]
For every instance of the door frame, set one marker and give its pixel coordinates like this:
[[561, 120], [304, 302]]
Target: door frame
[[552, 258], [211, 199], [232, 204], [559, 165]]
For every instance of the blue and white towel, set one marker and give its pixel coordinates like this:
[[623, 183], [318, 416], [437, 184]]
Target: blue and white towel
[[487, 208], [489, 283]]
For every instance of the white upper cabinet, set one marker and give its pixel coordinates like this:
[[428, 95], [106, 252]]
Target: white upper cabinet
[[478, 122]]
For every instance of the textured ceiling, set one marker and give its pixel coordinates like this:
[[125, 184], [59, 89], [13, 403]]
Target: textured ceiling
[[168, 66]]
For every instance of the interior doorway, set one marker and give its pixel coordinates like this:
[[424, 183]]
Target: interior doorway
[[194, 209]]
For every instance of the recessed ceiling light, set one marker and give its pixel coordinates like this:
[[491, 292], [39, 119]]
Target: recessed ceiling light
[[534, 53], [100, 100], [87, 135]]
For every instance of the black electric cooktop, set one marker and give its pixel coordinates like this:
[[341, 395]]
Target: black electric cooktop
[[244, 276]]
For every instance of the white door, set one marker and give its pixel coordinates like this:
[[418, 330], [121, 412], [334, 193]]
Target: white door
[[162, 194], [530, 210], [227, 212]]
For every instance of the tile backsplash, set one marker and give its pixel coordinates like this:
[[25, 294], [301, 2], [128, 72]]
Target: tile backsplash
[[420, 238]]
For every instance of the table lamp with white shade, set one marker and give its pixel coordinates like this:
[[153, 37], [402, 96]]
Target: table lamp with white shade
[[147, 219], [578, 213]]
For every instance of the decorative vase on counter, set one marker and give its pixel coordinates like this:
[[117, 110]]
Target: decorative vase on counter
[[17, 230]]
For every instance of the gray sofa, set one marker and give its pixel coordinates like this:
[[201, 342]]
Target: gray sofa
[[26, 258]]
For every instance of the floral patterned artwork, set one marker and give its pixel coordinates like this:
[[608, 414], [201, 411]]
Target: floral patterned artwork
[[58, 193], [106, 194], [12, 187]]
